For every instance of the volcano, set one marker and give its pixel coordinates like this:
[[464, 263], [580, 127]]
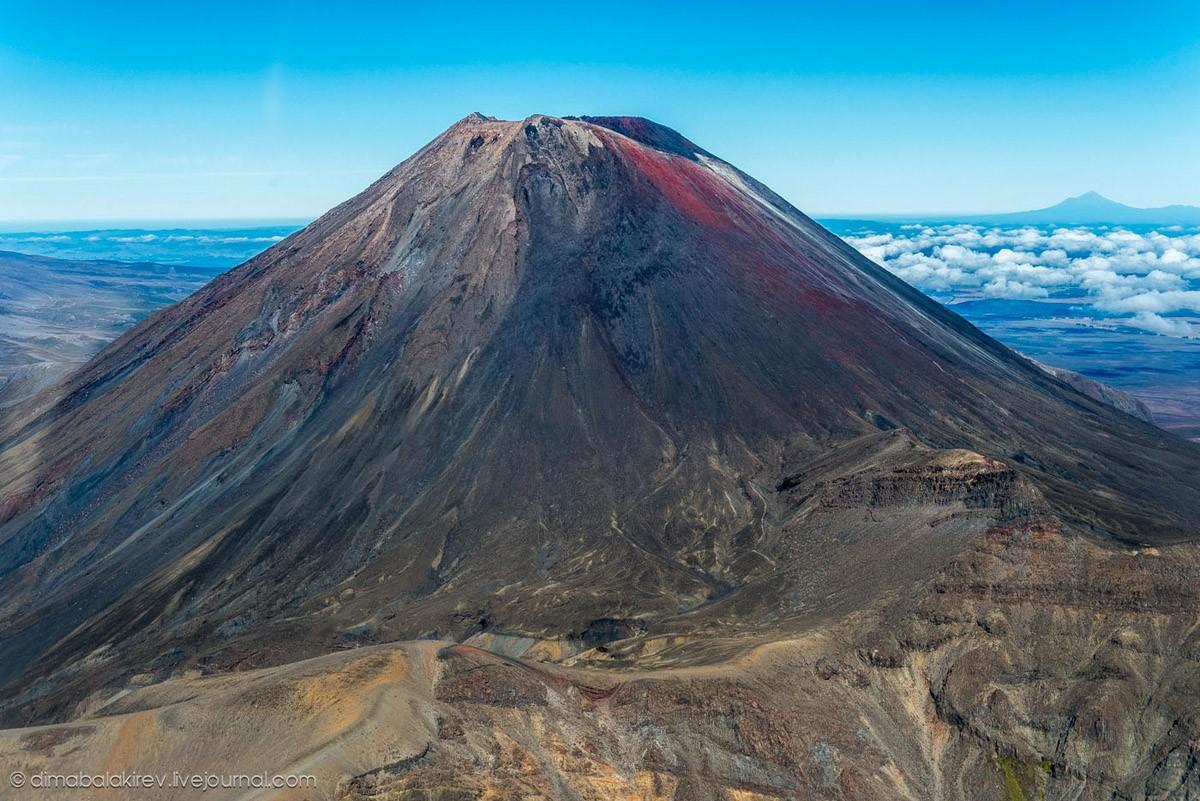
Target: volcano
[[568, 389]]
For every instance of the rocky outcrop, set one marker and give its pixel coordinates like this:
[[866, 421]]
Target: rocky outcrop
[[1018, 672], [1116, 398]]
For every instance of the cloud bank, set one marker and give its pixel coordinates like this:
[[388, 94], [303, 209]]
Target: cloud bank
[[1133, 278]]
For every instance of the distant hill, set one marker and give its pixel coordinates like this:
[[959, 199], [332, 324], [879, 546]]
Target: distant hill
[[1099, 391], [1092, 208]]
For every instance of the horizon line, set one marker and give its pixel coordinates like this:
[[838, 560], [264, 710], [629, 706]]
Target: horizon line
[[77, 224]]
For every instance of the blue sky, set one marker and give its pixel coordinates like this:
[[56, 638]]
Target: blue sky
[[143, 111]]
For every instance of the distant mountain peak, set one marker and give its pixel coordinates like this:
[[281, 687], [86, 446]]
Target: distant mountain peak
[[1093, 208], [1091, 199]]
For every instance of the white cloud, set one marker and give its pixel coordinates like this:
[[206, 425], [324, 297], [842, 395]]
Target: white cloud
[[1154, 302], [1171, 327], [1006, 288], [1122, 272]]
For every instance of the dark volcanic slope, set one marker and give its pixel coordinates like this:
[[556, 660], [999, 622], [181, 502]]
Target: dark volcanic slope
[[545, 376]]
